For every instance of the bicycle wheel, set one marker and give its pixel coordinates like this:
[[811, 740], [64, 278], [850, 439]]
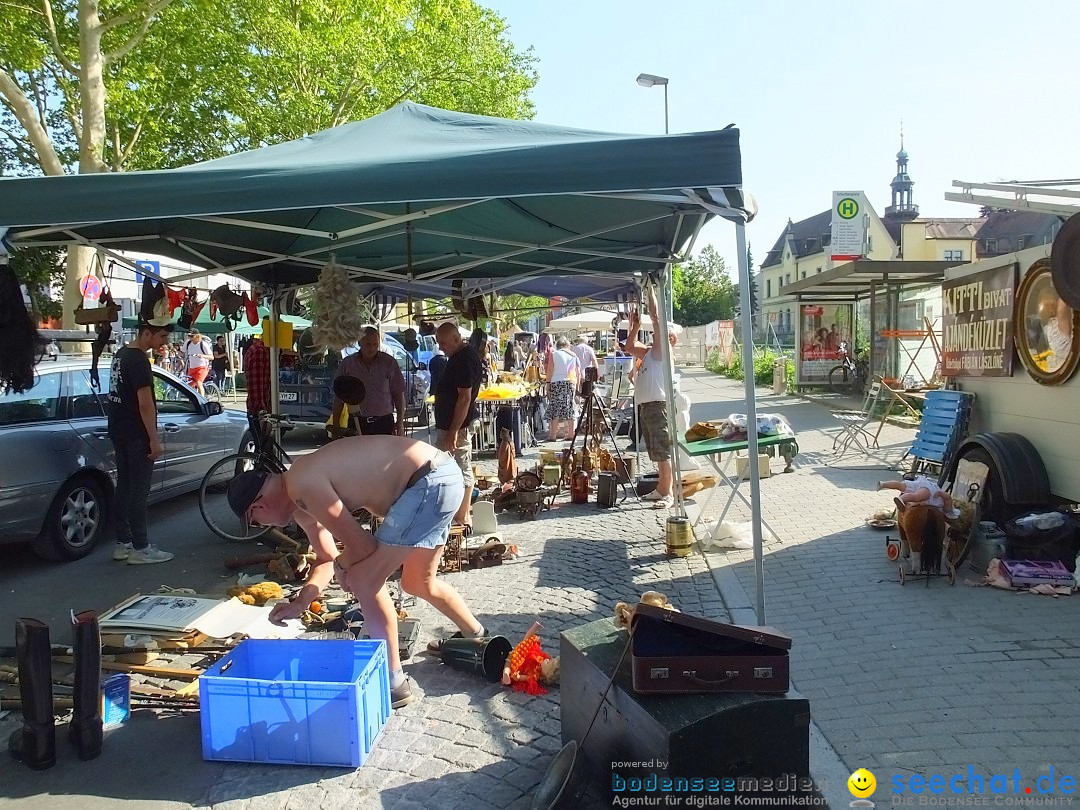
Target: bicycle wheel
[[842, 380], [214, 503], [211, 391]]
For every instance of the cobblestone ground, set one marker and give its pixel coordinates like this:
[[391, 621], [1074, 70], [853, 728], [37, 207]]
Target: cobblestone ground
[[911, 679], [469, 744]]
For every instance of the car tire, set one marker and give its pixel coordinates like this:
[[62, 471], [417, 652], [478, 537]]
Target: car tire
[[75, 521]]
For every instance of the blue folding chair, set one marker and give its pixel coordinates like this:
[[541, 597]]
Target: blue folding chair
[[944, 424]]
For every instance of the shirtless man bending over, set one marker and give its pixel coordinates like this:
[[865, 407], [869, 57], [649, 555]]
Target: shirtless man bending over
[[413, 487]]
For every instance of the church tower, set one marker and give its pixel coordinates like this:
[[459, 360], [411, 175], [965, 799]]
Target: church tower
[[902, 208]]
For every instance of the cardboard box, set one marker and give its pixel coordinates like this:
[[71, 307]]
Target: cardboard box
[[742, 466]]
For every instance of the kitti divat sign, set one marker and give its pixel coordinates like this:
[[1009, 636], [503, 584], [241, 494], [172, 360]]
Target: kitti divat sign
[[977, 324]]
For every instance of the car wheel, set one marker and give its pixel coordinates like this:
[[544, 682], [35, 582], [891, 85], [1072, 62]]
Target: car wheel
[[74, 522]]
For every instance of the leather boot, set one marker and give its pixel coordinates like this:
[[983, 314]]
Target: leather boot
[[35, 743], [85, 727]]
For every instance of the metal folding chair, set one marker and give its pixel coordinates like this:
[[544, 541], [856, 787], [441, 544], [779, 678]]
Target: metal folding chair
[[856, 432]]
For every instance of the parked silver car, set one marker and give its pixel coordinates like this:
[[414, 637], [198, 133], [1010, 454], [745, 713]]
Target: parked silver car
[[58, 467]]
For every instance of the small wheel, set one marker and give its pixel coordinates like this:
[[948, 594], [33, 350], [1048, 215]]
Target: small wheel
[[214, 502], [951, 574], [902, 575], [892, 550]]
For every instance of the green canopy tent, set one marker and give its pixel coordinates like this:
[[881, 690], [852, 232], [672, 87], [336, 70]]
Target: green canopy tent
[[414, 200]]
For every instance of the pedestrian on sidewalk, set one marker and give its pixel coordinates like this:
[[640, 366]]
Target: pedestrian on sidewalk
[[198, 355], [455, 409], [383, 385], [650, 392], [413, 487], [134, 433]]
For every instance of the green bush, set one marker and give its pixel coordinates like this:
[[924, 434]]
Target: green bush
[[763, 367]]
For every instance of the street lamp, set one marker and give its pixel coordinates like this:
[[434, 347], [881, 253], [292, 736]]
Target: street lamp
[[649, 80]]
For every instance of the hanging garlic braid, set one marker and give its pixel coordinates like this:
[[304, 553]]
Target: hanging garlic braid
[[342, 313]]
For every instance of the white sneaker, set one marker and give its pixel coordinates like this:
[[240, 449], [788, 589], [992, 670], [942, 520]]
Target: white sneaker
[[121, 551], [148, 556], [664, 502], [652, 496]]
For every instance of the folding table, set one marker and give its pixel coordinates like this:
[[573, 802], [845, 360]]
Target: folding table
[[712, 449]]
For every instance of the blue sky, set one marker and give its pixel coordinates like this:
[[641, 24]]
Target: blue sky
[[818, 90]]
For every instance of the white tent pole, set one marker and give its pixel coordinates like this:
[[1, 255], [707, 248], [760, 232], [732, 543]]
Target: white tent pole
[[664, 305], [751, 420]]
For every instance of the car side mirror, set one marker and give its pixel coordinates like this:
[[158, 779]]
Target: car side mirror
[[213, 409]]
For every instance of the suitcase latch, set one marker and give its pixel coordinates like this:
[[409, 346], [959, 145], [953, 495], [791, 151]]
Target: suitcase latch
[[658, 673], [763, 672]]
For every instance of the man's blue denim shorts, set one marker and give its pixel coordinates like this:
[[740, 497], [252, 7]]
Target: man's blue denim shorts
[[421, 516]]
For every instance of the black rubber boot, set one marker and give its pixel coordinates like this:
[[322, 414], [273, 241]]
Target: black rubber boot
[[85, 727], [35, 743]]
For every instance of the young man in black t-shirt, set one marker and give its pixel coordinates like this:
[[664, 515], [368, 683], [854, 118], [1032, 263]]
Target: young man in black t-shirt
[[134, 434], [455, 407]]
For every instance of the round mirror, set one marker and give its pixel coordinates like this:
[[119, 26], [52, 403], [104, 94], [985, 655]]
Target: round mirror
[[1047, 329]]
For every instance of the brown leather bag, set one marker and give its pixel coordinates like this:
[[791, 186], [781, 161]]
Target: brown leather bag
[[508, 470]]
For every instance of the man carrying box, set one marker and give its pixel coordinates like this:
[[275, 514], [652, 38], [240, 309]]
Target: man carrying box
[[415, 490]]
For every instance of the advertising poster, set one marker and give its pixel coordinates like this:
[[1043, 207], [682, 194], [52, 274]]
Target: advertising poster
[[977, 324], [822, 330]]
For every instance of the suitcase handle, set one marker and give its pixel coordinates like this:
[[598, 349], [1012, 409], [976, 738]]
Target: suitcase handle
[[729, 676]]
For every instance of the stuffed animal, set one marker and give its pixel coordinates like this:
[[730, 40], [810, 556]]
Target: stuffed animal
[[624, 613], [258, 594]]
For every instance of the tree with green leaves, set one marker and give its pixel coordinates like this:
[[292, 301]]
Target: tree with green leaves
[[139, 84], [754, 302], [702, 290]]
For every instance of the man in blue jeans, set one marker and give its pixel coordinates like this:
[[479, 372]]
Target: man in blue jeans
[[134, 434], [413, 487]]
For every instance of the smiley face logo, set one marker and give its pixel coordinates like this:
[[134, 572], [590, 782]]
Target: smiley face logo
[[862, 783]]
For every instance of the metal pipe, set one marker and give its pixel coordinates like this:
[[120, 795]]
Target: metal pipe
[[669, 386], [751, 421]]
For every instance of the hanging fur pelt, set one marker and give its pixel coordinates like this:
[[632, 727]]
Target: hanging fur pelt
[[341, 310], [20, 343]]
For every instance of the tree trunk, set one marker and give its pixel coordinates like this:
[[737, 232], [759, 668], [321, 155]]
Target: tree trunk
[[91, 144]]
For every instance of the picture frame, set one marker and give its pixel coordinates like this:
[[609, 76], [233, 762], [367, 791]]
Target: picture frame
[[1046, 329]]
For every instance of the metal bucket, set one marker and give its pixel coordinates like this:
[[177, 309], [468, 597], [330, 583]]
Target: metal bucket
[[679, 535]]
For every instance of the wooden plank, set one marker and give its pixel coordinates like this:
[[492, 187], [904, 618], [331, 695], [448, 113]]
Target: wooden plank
[[159, 672]]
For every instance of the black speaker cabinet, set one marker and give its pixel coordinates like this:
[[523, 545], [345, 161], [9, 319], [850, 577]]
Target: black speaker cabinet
[[720, 735]]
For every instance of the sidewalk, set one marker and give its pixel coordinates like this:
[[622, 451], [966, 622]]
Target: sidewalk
[[901, 680]]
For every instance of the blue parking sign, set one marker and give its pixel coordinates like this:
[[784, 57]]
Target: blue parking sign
[[153, 268]]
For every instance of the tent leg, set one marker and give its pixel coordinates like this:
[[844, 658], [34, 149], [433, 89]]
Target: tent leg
[[751, 421], [669, 385], [275, 364]]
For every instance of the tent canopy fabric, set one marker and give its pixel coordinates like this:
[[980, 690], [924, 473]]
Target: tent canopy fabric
[[409, 201], [595, 319]]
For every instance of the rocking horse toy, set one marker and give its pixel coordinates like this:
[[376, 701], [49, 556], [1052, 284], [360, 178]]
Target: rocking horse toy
[[923, 533]]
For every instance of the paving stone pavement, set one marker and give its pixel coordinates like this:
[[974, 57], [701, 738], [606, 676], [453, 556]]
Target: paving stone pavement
[[901, 680]]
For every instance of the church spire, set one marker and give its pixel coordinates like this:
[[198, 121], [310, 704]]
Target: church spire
[[902, 208]]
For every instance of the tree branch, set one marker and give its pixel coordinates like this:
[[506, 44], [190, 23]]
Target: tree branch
[[23, 110], [54, 42], [146, 10], [131, 145], [152, 11]]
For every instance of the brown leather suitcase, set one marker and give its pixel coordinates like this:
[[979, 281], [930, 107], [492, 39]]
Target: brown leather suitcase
[[677, 653]]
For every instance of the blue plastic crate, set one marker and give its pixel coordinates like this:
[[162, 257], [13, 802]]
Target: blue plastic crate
[[295, 702]]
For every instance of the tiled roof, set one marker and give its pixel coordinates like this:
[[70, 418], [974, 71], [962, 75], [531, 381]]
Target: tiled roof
[[807, 236]]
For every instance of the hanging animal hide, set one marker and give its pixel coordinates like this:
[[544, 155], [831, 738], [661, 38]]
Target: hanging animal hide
[[340, 307], [20, 343]]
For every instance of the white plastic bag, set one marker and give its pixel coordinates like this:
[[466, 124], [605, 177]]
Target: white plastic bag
[[731, 535]]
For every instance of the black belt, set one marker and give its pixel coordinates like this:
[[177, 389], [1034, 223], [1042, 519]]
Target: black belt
[[367, 420], [428, 466]]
